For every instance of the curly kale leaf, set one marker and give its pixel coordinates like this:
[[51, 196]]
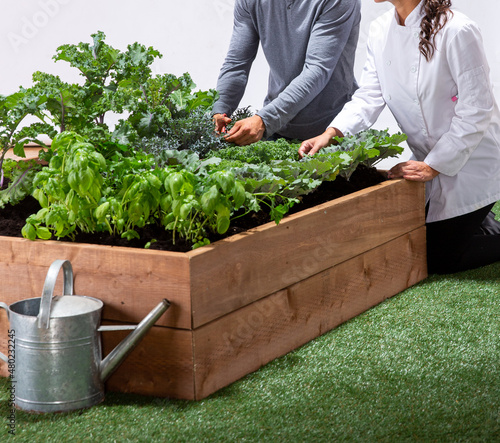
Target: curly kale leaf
[[368, 147], [20, 176]]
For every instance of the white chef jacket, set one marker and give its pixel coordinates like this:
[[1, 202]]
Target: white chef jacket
[[445, 106]]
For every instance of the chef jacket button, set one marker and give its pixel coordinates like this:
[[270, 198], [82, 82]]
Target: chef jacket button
[[413, 69], [416, 34], [424, 132], [388, 97], [388, 63]]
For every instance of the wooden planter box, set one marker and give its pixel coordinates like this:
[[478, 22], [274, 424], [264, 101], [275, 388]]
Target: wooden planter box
[[241, 302]]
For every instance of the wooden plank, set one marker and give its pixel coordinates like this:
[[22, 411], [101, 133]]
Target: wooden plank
[[161, 364], [130, 282], [235, 272], [226, 275], [31, 150], [241, 342], [166, 363]]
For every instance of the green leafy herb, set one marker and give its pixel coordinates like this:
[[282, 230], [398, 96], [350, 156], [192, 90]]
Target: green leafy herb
[[162, 164]]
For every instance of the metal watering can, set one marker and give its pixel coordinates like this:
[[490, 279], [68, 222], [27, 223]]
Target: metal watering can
[[56, 364]]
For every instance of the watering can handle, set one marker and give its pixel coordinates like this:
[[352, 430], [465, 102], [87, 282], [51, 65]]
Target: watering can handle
[[48, 289]]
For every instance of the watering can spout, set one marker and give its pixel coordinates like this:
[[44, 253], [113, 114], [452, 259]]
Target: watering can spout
[[118, 354]]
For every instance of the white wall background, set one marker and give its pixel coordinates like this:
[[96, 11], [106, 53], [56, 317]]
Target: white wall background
[[192, 35]]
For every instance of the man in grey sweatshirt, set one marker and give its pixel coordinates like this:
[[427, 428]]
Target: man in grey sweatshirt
[[310, 47]]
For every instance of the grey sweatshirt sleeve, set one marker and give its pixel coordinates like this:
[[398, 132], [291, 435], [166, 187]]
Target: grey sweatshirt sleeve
[[328, 39], [234, 73]]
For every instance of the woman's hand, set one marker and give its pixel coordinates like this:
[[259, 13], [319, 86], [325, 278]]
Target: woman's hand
[[313, 145], [413, 171]]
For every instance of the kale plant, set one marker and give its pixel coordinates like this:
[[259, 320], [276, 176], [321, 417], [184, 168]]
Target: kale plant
[[194, 132], [115, 82], [13, 110], [368, 147], [260, 152], [112, 81], [165, 99]]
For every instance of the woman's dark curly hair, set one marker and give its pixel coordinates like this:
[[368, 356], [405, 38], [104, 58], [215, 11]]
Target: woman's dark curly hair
[[436, 15]]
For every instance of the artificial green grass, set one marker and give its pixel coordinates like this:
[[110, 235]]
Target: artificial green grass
[[423, 366]]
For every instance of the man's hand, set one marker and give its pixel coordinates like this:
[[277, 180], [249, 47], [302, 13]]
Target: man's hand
[[221, 121], [246, 131], [413, 171], [313, 145]]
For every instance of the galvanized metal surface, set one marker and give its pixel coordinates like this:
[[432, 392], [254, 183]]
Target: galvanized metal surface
[[58, 347]]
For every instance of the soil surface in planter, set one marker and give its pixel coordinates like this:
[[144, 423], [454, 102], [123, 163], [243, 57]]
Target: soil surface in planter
[[13, 218]]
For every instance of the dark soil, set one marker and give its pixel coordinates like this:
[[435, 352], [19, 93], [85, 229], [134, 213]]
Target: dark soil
[[13, 218]]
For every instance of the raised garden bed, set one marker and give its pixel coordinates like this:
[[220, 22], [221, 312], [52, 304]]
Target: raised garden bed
[[250, 295], [244, 300]]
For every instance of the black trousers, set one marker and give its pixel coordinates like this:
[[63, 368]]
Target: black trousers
[[465, 242]]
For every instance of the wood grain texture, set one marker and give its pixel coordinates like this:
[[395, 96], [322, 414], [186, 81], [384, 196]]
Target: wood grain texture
[[161, 365], [31, 151], [236, 272], [130, 282], [241, 342], [241, 302]]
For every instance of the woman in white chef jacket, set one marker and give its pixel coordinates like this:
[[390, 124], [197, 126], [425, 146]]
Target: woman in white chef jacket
[[428, 65]]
